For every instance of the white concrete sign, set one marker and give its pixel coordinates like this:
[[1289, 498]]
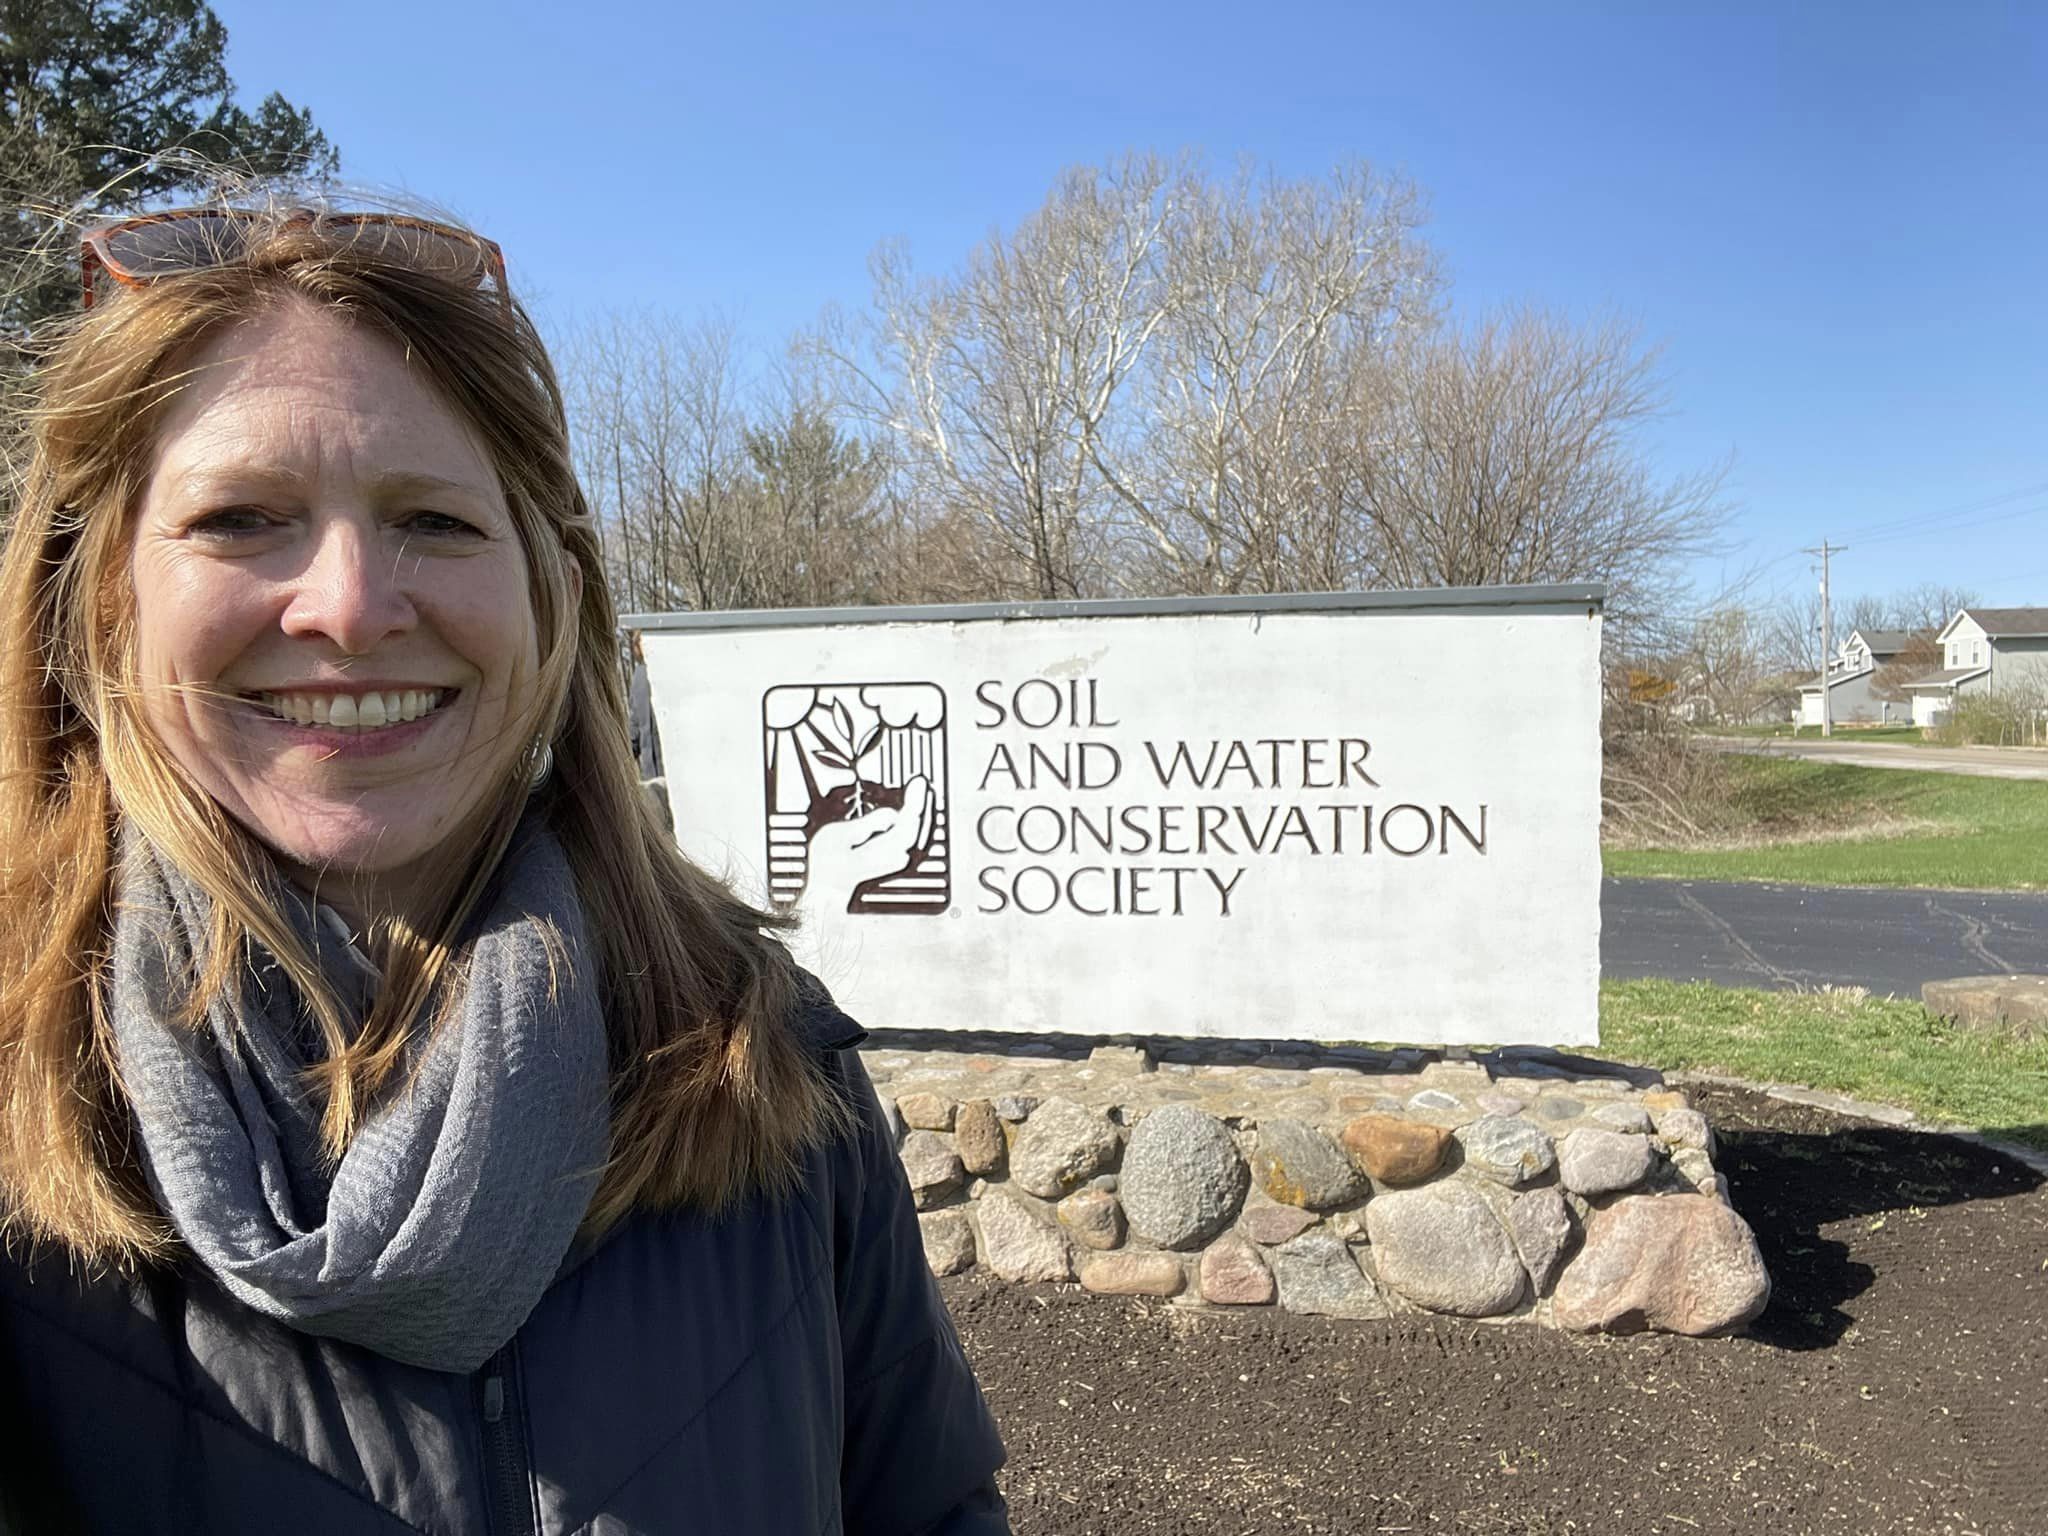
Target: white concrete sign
[[1367, 817]]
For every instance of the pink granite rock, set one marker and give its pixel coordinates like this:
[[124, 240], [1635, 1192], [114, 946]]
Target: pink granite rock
[[1675, 1263], [1233, 1275]]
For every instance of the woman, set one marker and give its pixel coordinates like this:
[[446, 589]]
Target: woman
[[396, 1133]]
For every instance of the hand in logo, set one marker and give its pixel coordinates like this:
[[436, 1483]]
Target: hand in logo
[[846, 855]]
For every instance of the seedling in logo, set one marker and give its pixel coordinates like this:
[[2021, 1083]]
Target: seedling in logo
[[855, 782]]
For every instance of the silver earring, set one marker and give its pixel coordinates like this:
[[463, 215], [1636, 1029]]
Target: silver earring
[[541, 758]]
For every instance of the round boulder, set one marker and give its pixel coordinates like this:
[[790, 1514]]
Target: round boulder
[[1182, 1178], [1443, 1248]]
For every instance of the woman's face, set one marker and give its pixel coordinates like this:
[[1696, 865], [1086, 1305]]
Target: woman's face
[[335, 633]]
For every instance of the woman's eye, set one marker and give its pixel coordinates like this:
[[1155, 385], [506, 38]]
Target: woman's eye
[[233, 520], [438, 523]]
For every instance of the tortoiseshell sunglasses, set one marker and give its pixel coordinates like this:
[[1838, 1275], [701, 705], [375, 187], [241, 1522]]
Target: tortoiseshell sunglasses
[[140, 250]]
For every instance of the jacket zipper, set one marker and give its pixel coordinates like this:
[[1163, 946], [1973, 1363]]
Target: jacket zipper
[[506, 1480]]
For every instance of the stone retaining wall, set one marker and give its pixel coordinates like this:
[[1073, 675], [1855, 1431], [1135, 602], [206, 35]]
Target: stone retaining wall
[[1345, 1182]]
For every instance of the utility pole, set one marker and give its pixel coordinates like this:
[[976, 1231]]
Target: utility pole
[[1827, 634]]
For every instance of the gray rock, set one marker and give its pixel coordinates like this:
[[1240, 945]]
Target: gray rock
[[1442, 1247], [1182, 1178], [1593, 1162], [892, 1117], [1499, 1103], [1434, 1098], [1507, 1148], [1686, 1128], [1297, 1164], [1541, 1225], [932, 1166], [1019, 1245], [1063, 1145], [1629, 1119], [1106, 1182], [1016, 1106], [948, 1241], [1316, 1273], [1556, 1107], [1697, 1168]]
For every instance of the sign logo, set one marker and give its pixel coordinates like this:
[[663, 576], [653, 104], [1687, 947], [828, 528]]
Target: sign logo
[[855, 784]]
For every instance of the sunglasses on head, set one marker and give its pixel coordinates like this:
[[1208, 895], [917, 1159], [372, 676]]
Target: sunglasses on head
[[138, 251]]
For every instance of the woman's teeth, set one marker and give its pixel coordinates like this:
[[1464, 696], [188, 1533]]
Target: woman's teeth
[[354, 712]]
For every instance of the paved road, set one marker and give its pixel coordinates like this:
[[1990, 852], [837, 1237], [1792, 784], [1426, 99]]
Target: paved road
[[1979, 762], [1784, 936]]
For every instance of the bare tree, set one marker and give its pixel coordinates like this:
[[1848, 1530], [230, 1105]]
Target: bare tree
[[1728, 670], [662, 444], [710, 493], [998, 380], [1920, 657], [1510, 452], [1930, 605], [1161, 381], [1274, 294], [1793, 633]]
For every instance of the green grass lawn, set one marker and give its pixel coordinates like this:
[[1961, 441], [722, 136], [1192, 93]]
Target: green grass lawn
[[1803, 820], [1881, 1049], [1910, 734]]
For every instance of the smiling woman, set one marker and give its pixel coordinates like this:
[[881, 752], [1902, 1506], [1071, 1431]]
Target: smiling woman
[[319, 530], [378, 1085]]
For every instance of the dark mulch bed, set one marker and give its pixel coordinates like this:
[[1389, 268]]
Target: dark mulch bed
[[1898, 1381]]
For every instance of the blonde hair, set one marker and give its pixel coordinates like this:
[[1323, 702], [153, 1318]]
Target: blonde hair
[[713, 1095]]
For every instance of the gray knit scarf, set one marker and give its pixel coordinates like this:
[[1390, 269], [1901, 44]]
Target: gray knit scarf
[[442, 1225]]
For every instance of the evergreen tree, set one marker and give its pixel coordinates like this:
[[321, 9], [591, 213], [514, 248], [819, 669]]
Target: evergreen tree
[[111, 105]]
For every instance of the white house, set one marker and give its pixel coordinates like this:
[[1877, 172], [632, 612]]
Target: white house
[[1852, 676], [1984, 650]]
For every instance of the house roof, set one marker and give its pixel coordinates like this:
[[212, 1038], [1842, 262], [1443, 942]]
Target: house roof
[[1999, 623], [1944, 679], [1888, 642], [1835, 680]]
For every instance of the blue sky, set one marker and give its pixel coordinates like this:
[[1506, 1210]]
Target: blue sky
[[1834, 218]]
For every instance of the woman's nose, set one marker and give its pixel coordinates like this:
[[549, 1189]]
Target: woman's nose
[[351, 590]]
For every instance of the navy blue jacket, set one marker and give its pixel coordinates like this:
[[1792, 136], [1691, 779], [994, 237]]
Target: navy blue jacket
[[787, 1369]]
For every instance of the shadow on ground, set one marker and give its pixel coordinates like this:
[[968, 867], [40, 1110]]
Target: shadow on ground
[[1798, 1189]]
